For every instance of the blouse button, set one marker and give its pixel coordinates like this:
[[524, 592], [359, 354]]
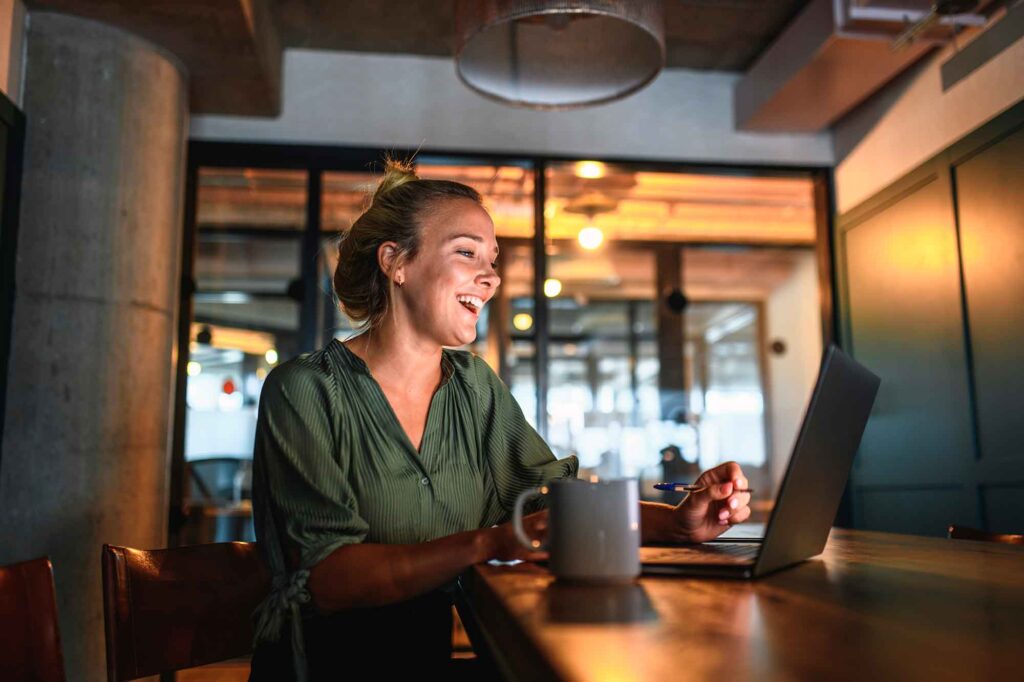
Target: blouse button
[[425, 480]]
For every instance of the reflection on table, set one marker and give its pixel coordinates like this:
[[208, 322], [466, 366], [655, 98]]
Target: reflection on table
[[873, 606]]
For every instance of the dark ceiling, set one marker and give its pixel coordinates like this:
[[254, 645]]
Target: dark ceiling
[[232, 49], [720, 35]]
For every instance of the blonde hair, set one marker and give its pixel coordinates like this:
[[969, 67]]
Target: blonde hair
[[396, 212]]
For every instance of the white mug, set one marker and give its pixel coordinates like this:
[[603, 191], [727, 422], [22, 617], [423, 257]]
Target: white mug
[[593, 529]]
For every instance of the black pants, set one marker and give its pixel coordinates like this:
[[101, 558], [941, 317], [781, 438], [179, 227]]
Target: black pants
[[381, 643]]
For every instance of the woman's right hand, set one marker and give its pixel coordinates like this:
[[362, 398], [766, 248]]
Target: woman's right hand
[[503, 545]]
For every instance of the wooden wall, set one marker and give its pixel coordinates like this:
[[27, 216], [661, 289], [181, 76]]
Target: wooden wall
[[931, 295]]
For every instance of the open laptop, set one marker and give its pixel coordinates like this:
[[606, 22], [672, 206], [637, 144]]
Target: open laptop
[[810, 492]]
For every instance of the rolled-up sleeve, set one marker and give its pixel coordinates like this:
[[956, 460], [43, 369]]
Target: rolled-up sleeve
[[517, 457], [310, 502]]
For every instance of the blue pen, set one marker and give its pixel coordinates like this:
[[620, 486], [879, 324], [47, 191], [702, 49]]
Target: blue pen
[[690, 488]]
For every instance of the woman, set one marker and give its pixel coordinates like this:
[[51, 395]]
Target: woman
[[388, 464]]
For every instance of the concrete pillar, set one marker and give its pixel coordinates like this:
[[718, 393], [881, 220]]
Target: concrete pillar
[[86, 438]]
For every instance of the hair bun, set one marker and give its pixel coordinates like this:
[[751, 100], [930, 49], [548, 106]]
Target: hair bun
[[396, 173], [363, 289]]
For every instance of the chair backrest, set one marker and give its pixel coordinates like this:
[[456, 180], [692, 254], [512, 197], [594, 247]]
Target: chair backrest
[[29, 636], [219, 480], [967, 533], [168, 609]]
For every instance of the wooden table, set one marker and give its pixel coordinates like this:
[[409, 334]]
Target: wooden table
[[874, 606]]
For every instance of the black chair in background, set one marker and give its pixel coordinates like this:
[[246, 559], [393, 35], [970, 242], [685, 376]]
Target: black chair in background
[[220, 481], [219, 503]]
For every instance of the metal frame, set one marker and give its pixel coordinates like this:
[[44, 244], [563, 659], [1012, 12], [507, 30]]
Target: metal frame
[[541, 339]]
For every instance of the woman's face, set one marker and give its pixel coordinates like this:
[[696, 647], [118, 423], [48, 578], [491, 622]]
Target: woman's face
[[453, 275]]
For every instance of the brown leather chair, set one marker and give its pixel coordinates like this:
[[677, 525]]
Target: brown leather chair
[[168, 609], [967, 533], [29, 637]]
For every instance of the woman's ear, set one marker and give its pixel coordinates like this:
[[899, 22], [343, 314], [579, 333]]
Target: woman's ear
[[390, 263]]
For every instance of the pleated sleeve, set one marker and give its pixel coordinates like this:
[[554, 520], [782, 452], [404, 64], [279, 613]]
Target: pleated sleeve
[[517, 458], [311, 506]]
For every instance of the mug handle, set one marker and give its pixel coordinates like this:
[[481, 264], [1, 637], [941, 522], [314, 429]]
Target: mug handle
[[517, 520]]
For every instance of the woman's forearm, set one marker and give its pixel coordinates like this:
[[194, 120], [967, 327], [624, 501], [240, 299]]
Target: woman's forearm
[[367, 574], [362, 575]]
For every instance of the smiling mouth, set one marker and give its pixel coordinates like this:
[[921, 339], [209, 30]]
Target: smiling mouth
[[471, 303]]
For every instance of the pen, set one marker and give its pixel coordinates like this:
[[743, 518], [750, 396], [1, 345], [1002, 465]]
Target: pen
[[688, 488]]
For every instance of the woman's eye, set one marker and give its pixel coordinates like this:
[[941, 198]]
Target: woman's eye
[[468, 254]]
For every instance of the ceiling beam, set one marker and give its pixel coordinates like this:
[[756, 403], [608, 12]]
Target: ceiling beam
[[817, 70], [230, 48]]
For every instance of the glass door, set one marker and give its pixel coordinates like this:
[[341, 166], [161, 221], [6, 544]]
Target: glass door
[[658, 288], [246, 308]]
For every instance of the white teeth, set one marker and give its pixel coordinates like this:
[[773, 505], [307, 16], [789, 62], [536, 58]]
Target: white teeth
[[474, 301]]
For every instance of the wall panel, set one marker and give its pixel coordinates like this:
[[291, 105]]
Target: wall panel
[[989, 185], [931, 295]]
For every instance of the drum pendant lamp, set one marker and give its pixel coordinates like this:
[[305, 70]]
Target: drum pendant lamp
[[558, 54]]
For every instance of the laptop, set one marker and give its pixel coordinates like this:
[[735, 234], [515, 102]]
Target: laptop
[[809, 496]]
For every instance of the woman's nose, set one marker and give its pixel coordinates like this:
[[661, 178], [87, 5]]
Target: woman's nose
[[489, 278]]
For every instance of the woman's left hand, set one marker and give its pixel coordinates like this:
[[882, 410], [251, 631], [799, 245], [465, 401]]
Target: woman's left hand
[[707, 514]]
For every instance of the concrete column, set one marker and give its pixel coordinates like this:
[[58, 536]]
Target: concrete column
[[86, 438]]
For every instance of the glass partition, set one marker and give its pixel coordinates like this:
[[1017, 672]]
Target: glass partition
[[658, 288], [247, 269]]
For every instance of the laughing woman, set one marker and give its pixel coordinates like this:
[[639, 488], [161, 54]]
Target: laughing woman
[[387, 464]]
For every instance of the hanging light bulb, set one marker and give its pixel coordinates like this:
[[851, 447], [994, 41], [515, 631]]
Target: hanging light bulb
[[590, 237], [591, 204], [590, 170]]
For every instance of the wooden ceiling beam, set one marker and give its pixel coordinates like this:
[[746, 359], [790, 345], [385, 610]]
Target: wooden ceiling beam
[[230, 48], [815, 73]]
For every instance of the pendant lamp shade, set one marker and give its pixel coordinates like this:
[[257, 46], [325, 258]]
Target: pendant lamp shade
[[558, 54]]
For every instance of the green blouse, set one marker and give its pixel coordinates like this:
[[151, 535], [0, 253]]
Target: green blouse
[[333, 466]]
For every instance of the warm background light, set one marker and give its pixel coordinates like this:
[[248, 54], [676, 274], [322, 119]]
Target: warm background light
[[193, 368], [552, 287], [590, 237], [591, 170], [650, 205], [522, 321], [271, 356]]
